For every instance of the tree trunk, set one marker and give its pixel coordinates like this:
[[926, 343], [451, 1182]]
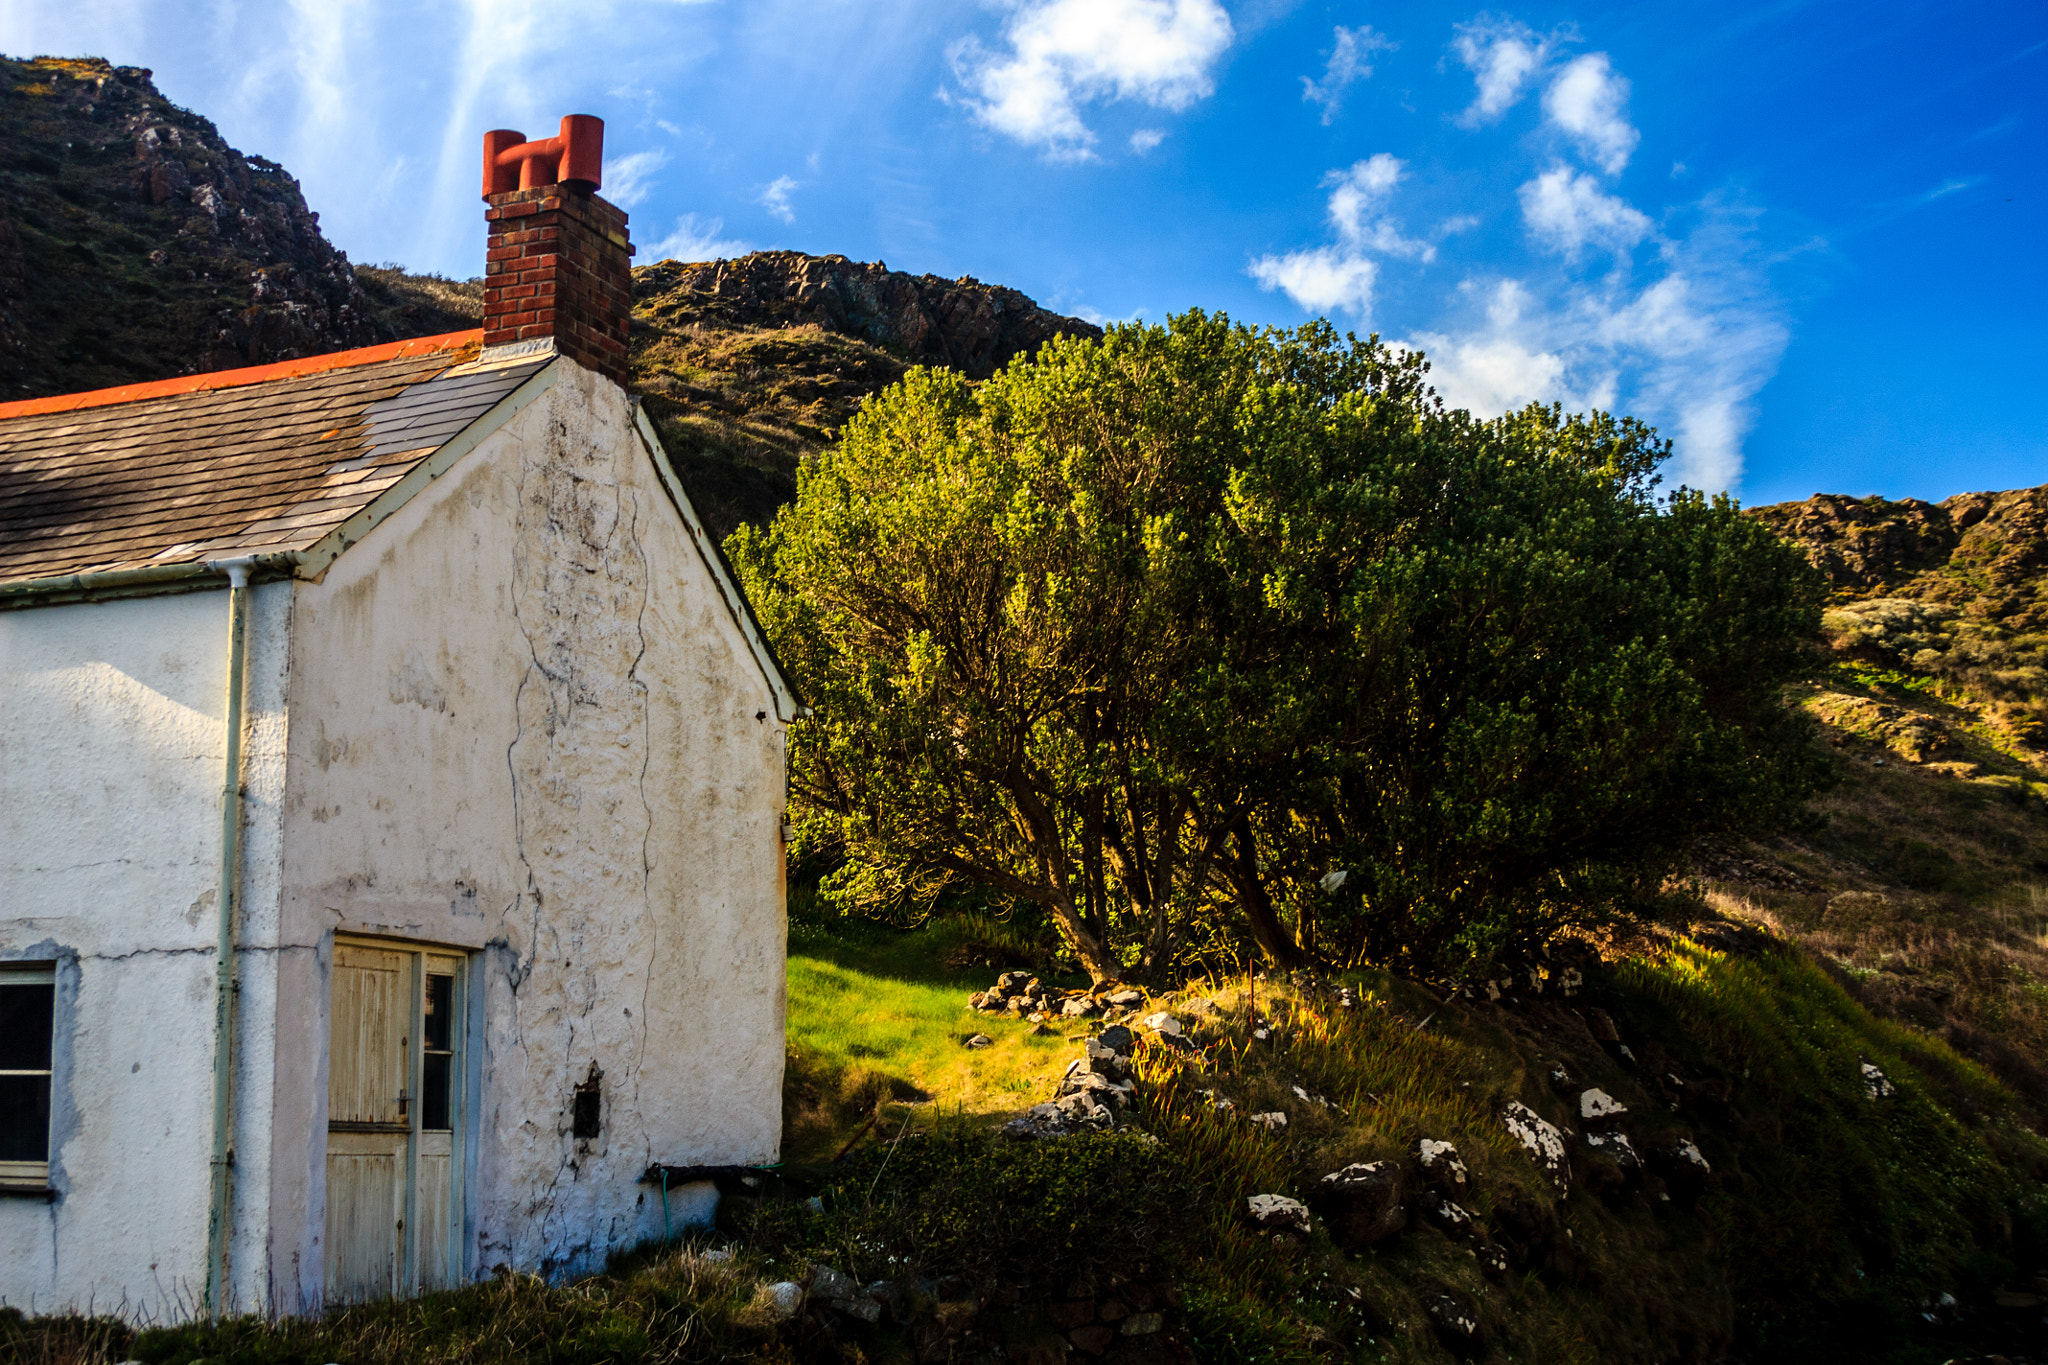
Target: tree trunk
[[1243, 870], [1095, 956]]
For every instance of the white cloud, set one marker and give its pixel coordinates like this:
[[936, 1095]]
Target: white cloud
[[630, 179], [1145, 139], [1342, 276], [1063, 53], [775, 198], [1503, 57], [1497, 368], [1567, 211], [1688, 350], [1350, 61], [1322, 280], [695, 239], [1585, 101], [1357, 197]]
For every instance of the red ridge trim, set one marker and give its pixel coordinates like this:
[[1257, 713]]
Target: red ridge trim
[[231, 379]]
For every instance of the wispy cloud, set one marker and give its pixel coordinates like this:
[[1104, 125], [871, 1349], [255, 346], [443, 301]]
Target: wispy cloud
[[1504, 56], [1567, 211], [775, 198], [1688, 348], [1953, 185], [1350, 62], [1343, 275], [630, 179], [1145, 139], [1060, 54], [1586, 102], [695, 239]]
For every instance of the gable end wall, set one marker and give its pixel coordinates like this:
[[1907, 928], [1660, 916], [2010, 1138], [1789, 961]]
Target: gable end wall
[[525, 723]]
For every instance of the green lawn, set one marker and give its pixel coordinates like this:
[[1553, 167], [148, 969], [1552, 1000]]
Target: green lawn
[[875, 1018]]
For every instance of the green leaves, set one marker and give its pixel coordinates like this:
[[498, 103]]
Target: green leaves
[[1155, 632]]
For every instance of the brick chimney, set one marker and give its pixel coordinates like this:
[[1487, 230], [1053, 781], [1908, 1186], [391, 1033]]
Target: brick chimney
[[560, 263]]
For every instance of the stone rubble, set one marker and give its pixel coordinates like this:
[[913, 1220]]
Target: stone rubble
[[1278, 1213], [1440, 1165], [1363, 1203], [1598, 1110], [1876, 1084], [1539, 1137], [1096, 1091]]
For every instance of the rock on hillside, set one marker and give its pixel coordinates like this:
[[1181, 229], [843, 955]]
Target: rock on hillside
[[749, 366], [975, 328], [1985, 554], [136, 244]]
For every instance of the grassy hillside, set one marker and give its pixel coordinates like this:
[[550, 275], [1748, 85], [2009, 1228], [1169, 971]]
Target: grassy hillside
[[1832, 1217], [1921, 880]]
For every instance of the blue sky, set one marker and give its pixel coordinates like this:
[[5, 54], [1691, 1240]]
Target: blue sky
[[1809, 241]]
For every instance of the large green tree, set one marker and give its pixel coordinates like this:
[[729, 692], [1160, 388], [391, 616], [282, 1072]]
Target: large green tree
[[1160, 633]]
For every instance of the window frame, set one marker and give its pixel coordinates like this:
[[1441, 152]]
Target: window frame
[[32, 1176]]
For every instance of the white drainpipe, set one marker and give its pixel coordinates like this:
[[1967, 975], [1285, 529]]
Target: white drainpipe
[[237, 571]]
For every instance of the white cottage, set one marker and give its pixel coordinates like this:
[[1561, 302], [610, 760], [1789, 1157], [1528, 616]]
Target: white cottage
[[391, 810]]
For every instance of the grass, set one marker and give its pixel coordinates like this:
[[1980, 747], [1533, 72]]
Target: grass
[[671, 1306], [1832, 1217], [1922, 877], [876, 1020]]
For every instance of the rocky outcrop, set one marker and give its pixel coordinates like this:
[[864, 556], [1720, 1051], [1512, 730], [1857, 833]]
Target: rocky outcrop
[[973, 327], [1985, 554], [136, 244]]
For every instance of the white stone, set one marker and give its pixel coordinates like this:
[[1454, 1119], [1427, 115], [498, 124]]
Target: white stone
[[1615, 1145], [1272, 1122], [1441, 1156], [1162, 1022], [980, 1040], [1536, 1134], [1597, 1106], [1686, 1151], [1875, 1083], [1276, 1212], [783, 1299]]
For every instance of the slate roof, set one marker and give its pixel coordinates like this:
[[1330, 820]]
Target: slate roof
[[242, 462]]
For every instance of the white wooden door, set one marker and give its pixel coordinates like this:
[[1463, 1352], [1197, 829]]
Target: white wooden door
[[393, 1106]]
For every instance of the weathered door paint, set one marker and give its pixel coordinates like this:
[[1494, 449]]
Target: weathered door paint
[[394, 1187]]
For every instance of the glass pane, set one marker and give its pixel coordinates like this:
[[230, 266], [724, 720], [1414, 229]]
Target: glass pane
[[440, 1012], [434, 1103], [25, 1014], [24, 1118]]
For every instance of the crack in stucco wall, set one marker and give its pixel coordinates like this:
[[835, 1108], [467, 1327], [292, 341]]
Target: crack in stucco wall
[[579, 596]]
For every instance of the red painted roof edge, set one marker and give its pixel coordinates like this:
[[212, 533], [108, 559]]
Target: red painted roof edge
[[230, 379]]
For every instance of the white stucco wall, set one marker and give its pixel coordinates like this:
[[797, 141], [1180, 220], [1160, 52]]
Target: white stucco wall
[[111, 750], [525, 723]]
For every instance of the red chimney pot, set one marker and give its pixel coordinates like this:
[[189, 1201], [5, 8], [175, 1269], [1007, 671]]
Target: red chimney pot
[[574, 157]]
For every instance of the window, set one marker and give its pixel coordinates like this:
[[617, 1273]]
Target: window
[[438, 1055], [28, 1003]]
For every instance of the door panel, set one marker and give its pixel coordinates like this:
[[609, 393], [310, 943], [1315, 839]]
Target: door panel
[[365, 1210], [436, 1209], [367, 1048]]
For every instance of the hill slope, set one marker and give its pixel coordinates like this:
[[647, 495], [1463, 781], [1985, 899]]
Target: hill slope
[[1922, 879], [136, 244]]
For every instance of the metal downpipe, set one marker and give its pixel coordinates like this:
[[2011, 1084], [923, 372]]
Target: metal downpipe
[[237, 571]]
